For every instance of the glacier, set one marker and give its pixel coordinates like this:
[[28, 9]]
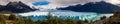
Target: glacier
[[42, 15], [64, 15]]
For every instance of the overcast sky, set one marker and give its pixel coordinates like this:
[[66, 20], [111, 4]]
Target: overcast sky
[[52, 4]]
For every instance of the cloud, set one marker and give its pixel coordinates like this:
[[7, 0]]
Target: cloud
[[65, 3], [113, 1]]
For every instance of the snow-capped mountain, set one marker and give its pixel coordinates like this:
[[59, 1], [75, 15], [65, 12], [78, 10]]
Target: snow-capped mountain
[[15, 7]]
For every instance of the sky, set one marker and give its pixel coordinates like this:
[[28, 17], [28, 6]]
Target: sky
[[53, 4]]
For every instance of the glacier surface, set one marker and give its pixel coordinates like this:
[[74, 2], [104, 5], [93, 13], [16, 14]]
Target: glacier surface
[[63, 14]]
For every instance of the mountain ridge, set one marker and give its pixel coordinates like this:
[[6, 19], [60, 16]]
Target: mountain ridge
[[16, 7], [98, 7]]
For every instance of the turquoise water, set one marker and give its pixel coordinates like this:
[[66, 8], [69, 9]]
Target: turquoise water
[[64, 15]]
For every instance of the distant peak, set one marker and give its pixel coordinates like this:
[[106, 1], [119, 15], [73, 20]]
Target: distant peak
[[20, 2], [15, 2]]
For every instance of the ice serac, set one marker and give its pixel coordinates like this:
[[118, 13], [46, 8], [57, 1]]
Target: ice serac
[[16, 7]]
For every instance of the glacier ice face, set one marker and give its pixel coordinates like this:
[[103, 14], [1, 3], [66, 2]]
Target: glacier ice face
[[80, 15], [33, 13], [90, 16]]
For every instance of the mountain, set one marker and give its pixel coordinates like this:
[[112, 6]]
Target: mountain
[[16, 7], [72, 8], [98, 7], [1, 7]]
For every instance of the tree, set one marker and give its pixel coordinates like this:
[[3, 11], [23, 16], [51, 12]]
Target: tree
[[50, 20], [12, 17], [55, 20], [104, 17], [28, 21], [2, 19], [86, 21]]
